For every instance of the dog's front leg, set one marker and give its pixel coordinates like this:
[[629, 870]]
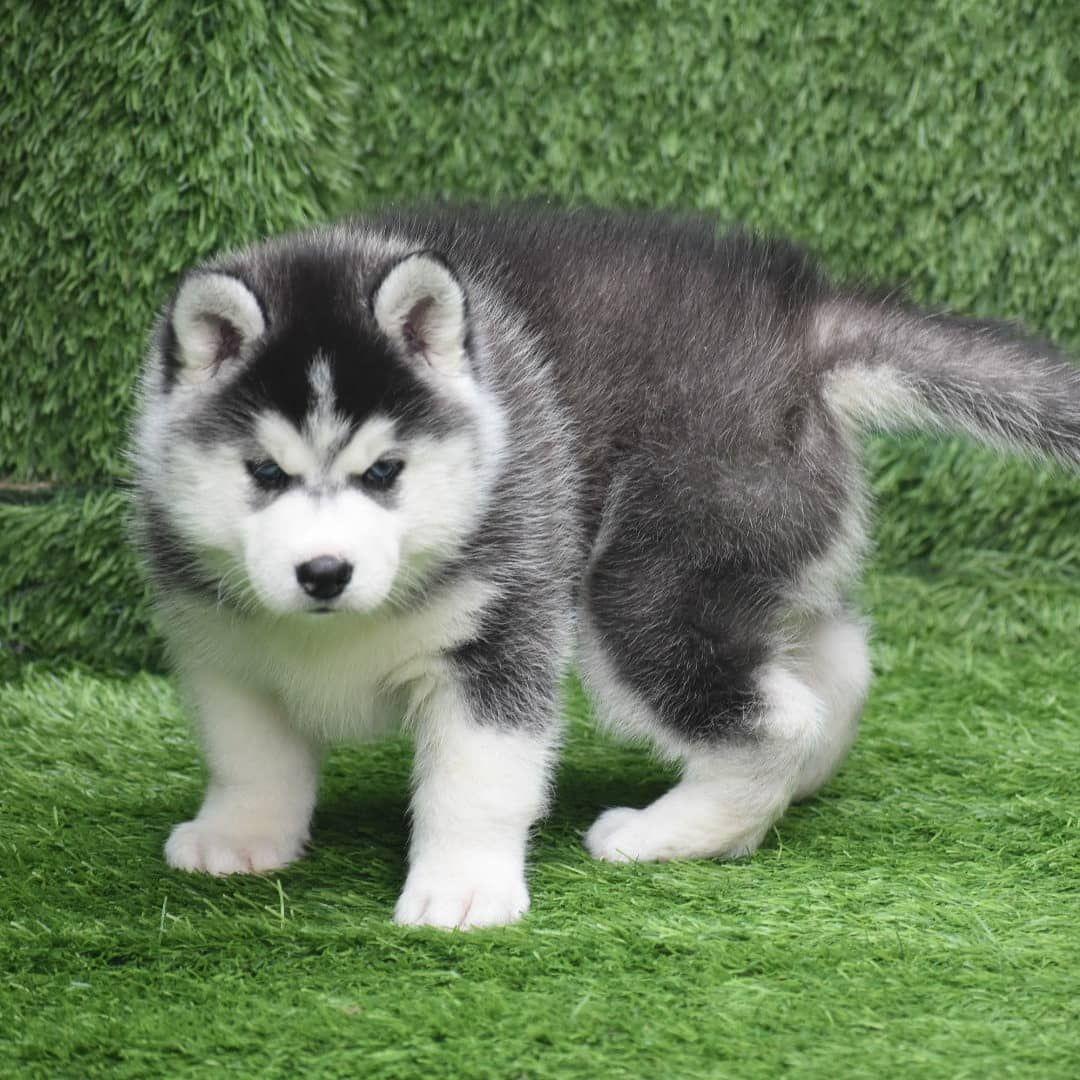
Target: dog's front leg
[[479, 785], [263, 779]]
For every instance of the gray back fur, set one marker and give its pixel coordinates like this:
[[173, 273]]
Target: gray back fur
[[682, 407]]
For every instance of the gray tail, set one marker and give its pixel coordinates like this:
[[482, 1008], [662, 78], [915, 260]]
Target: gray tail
[[896, 368]]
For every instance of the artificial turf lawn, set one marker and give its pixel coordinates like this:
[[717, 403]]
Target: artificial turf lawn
[[929, 144], [916, 919]]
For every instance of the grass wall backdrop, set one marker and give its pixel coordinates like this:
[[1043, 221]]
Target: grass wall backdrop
[[918, 918], [928, 145]]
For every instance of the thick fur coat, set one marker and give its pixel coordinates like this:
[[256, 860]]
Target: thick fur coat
[[406, 469]]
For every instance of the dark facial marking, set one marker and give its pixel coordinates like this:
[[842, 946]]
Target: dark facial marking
[[320, 315], [382, 475], [269, 475], [173, 564]]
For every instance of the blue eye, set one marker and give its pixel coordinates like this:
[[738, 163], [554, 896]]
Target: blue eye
[[269, 475], [381, 475]]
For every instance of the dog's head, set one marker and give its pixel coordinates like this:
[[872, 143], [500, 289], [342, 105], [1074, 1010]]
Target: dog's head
[[316, 438]]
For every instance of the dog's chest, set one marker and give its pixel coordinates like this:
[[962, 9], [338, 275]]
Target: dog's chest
[[354, 688], [346, 679]]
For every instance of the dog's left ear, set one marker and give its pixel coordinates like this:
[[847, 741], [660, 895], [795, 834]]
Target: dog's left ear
[[420, 305]]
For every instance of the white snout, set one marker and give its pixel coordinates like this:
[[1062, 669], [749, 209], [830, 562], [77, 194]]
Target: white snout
[[298, 527]]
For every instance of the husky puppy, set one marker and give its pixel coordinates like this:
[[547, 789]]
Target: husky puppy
[[402, 470]]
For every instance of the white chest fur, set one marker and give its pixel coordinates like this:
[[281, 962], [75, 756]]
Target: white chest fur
[[340, 677]]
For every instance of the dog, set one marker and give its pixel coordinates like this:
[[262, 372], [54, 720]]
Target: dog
[[402, 470]]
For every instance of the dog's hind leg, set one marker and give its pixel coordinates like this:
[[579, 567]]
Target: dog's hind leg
[[834, 660], [708, 661], [733, 789]]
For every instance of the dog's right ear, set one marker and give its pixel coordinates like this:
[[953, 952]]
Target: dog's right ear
[[213, 317], [420, 305]]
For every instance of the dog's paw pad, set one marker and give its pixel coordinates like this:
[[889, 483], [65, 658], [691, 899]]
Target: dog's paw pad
[[202, 847], [458, 902]]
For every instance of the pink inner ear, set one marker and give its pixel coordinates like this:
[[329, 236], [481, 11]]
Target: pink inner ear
[[412, 329], [228, 338]]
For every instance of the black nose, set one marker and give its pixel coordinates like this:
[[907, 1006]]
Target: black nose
[[324, 577]]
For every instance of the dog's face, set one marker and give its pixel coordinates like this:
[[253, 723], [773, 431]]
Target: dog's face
[[317, 448]]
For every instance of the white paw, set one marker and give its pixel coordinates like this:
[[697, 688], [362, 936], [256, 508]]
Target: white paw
[[615, 838], [626, 835], [210, 848], [462, 899]]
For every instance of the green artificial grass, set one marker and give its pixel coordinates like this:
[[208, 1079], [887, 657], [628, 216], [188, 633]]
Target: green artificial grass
[[916, 919], [927, 145], [922, 143], [72, 586], [137, 139]]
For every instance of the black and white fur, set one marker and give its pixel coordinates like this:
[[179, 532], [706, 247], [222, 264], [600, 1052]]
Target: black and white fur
[[627, 432]]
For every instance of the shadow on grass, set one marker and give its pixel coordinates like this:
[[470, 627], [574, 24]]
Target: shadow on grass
[[360, 831], [363, 825]]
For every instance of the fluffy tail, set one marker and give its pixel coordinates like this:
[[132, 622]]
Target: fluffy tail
[[894, 368]]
